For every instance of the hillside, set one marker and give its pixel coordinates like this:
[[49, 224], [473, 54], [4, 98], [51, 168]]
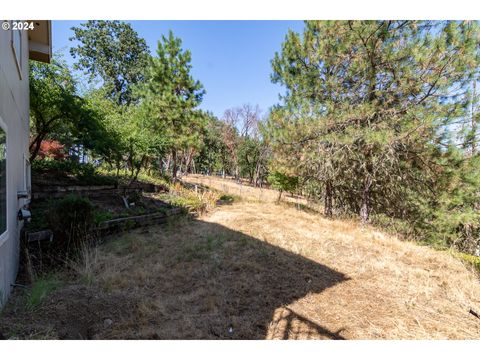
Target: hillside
[[256, 270]]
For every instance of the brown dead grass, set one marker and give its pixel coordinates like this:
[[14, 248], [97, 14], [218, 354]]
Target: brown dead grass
[[396, 289], [256, 270], [245, 191]]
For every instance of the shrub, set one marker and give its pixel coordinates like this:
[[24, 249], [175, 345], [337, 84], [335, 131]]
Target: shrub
[[85, 173], [282, 182], [52, 149], [191, 200], [47, 164], [71, 220]]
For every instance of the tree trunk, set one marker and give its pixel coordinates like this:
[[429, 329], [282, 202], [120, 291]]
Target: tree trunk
[[117, 165], [365, 208], [474, 120], [35, 146], [174, 165], [194, 169], [328, 212], [279, 195], [237, 174], [189, 160], [167, 164], [136, 170]]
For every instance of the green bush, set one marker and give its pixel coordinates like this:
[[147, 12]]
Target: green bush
[[85, 173], [71, 220], [282, 182], [44, 165]]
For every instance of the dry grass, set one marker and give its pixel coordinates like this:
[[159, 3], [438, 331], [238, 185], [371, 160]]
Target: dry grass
[[396, 290], [194, 201], [245, 191], [255, 270]]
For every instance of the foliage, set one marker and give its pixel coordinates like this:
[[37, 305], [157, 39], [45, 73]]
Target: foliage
[[248, 157], [469, 259], [369, 110], [213, 156], [112, 51], [235, 145], [455, 216], [379, 120], [84, 173], [152, 178], [189, 199], [282, 182], [41, 288], [227, 198], [170, 96], [51, 149], [71, 219], [58, 113]]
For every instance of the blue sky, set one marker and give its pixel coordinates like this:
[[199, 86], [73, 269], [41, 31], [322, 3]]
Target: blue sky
[[230, 58]]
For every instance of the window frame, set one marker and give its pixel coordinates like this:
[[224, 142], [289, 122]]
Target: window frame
[[5, 235]]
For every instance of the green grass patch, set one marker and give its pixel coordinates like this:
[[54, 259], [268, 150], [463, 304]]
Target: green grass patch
[[467, 258], [40, 290], [189, 202], [226, 198], [203, 249], [142, 176]]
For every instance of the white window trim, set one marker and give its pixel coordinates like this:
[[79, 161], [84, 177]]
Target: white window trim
[[4, 236]]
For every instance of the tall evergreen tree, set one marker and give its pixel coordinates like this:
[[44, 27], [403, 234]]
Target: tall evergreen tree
[[368, 107], [171, 95]]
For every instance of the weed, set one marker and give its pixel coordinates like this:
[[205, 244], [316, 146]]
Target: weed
[[100, 216], [40, 289], [84, 265], [228, 199], [194, 201], [202, 250], [469, 259]]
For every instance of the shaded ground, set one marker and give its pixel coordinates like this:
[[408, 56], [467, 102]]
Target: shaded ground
[[108, 204], [256, 271]]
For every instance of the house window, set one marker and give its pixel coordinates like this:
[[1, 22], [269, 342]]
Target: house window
[[3, 181]]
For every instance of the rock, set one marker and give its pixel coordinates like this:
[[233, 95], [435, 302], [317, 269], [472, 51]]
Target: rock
[[107, 322]]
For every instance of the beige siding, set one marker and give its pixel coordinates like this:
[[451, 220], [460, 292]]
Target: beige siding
[[14, 112]]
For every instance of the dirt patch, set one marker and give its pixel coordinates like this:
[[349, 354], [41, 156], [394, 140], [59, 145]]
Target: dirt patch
[[74, 312]]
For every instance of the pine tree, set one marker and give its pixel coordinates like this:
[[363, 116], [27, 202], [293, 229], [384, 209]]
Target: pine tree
[[368, 106], [171, 96]]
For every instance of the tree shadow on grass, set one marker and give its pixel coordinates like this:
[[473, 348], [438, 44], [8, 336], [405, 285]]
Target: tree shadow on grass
[[223, 284], [190, 279]]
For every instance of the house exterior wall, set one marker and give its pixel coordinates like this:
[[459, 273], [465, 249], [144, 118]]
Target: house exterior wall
[[14, 119]]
